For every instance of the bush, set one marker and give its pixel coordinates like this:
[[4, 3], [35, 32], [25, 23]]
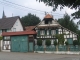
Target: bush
[[55, 43], [39, 42], [0, 37], [66, 43], [48, 42], [75, 42]]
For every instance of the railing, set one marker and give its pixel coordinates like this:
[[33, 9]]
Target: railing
[[60, 48], [45, 36]]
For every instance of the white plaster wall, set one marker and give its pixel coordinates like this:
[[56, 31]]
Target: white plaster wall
[[70, 35], [17, 25], [42, 22]]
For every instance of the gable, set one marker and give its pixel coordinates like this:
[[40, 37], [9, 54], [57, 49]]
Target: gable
[[17, 25], [7, 23]]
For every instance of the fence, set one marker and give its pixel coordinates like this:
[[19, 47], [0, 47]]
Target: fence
[[60, 48]]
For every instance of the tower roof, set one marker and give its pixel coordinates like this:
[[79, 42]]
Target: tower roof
[[48, 16], [3, 16]]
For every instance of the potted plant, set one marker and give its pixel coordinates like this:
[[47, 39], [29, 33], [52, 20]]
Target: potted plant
[[75, 42], [39, 43], [67, 45], [48, 43], [56, 45]]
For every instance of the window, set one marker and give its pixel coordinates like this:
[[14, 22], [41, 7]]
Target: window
[[53, 32], [7, 37], [46, 22], [42, 32], [14, 29], [47, 32], [8, 30]]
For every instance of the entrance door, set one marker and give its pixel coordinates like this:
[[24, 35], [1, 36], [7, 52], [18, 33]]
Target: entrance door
[[70, 41], [15, 45], [19, 44], [30, 46], [23, 44]]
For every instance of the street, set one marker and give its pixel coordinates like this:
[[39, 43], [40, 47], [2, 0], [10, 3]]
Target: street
[[36, 56]]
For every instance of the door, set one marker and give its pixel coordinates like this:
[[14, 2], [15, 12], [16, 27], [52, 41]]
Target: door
[[23, 44], [70, 41], [14, 44], [19, 44], [30, 46]]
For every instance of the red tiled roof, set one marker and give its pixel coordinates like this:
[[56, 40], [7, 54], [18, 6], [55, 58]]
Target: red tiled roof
[[28, 28], [48, 16], [18, 33]]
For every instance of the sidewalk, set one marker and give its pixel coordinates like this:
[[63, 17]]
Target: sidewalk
[[59, 52]]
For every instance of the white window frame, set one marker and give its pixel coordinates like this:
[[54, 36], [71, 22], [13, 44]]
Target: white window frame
[[42, 32], [47, 32], [53, 32]]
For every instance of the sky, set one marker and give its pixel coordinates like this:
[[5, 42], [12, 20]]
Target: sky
[[14, 10]]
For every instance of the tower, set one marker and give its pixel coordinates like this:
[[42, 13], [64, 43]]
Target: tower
[[3, 15]]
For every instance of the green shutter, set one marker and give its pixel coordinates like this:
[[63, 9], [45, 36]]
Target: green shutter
[[45, 32], [49, 32], [38, 32], [57, 31]]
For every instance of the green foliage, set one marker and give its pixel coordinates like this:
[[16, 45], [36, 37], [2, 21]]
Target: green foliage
[[75, 42], [30, 20], [39, 42], [48, 42], [55, 43], [76, 15], [66, 43], [79, 43], [0, 37], [62, 3], [60, 38], [68, 23]]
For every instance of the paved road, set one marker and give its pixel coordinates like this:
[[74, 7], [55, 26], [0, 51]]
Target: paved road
[[36, 56]]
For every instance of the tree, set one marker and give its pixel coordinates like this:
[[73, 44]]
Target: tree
[[68, 23], [62, 3], [60, 38], [39, 42], [48, 42], [76, 15], [0, 42], [75, 42], [30, 20], [67, 44], [55, 44]]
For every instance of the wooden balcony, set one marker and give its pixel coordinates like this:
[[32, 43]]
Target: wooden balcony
[[45, 36]]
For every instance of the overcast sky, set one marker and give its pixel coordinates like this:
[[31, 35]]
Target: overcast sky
[[21, 11]]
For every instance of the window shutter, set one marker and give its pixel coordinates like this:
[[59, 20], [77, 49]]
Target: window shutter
[[38, 32], [49, 32], [45, 32], [57, 31]]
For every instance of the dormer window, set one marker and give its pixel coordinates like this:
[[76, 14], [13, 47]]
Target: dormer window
[[48, 21]]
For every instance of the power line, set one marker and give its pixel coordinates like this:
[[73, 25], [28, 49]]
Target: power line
[[19, 7], [26, 7], [22, 6], [13, 6]]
